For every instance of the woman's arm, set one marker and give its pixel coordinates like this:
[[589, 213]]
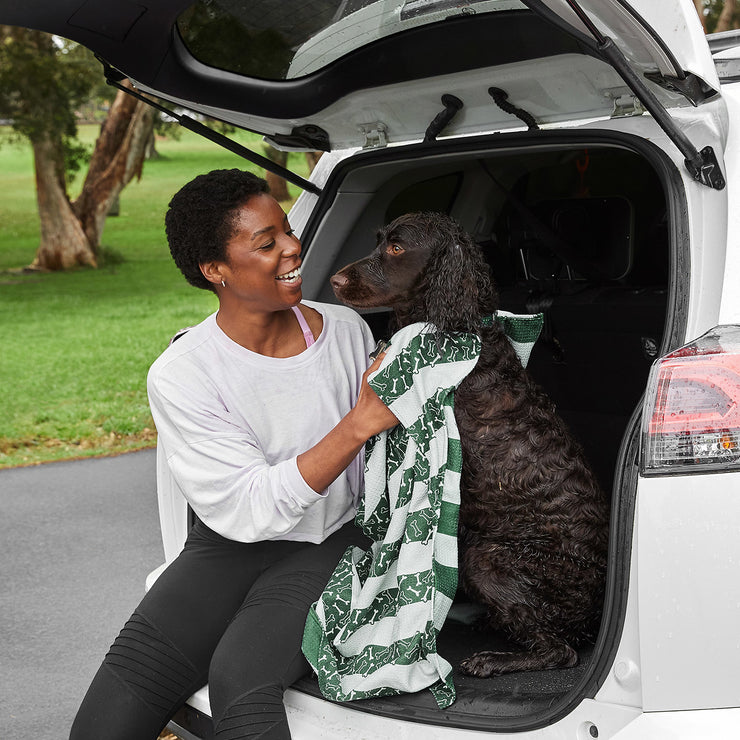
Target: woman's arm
[[221, 470], [321, 465]]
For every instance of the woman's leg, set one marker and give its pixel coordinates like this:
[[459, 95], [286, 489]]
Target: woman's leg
[[163, 652], [260, 655]]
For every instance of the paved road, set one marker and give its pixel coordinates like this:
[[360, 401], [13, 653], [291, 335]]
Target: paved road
[[78, 539]]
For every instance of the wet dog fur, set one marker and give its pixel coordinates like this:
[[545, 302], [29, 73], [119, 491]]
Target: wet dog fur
[[533, 521]]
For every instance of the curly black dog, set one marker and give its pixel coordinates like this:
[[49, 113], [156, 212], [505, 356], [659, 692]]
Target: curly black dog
[[533, 521]]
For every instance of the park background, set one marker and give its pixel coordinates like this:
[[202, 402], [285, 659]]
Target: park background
[[77, 344]]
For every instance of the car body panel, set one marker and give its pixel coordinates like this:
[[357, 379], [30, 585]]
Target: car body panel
[[730, 305], [688, 555]]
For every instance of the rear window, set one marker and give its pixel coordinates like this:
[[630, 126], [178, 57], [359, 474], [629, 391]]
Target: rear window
[[285, 39]]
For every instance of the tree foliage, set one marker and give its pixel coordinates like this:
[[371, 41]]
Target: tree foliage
[[718, 15], [44, 81]]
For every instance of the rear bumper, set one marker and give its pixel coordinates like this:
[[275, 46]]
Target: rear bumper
[[314, 719]]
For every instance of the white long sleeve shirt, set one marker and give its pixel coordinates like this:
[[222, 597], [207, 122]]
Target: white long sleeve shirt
[[231, 424]]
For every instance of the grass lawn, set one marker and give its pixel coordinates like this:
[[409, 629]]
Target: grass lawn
[[76, 346]]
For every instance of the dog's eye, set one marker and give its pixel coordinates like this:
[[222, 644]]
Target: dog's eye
[[395, 249]]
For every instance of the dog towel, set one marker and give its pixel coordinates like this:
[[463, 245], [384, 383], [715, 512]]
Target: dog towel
[[373, 632]]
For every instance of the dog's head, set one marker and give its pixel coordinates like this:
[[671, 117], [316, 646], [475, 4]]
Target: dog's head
[[426, 268]]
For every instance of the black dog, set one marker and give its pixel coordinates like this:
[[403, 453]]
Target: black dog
[[533, 522]]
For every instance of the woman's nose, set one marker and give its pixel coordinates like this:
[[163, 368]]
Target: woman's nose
[[291, 245]]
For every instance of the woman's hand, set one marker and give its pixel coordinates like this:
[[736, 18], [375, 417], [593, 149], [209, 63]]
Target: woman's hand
[[372, 416]]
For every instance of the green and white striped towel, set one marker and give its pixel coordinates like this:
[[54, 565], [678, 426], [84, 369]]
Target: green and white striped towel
[[373, 632]]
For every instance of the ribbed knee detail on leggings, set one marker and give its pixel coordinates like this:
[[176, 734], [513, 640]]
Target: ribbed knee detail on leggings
[[293, 591], [256, 715], [151, 665]]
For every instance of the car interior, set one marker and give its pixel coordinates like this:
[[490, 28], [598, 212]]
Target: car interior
[[576, 230]]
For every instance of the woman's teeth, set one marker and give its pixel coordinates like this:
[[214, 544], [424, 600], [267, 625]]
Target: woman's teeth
[[290, 277]]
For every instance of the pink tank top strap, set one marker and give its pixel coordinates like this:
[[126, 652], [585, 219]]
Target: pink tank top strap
[[307, 334]]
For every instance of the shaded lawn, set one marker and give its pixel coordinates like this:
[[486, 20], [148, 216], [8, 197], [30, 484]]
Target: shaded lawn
[[76, 346]]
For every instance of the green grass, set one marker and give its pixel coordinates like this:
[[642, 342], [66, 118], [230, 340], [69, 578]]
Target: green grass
[[76, 346]]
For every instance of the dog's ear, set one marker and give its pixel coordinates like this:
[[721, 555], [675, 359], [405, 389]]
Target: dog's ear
[[459, 290]]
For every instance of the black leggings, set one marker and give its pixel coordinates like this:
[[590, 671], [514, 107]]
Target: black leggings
[[225, 612]]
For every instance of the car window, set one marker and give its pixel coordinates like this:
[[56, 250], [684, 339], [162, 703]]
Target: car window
[[289, 39]]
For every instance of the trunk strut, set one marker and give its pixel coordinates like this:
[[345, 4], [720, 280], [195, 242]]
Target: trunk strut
[[113, 78], [702, 165]]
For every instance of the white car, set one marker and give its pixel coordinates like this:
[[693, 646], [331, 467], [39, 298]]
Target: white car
[[592, 148]]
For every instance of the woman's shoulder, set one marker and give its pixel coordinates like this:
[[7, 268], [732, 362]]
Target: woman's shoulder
[[336, 312], [185, 346]]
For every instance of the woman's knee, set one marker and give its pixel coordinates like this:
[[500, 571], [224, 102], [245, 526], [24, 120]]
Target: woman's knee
[[143, 679], [111, 709], [257, 714]]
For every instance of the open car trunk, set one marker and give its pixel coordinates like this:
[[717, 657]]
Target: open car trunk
[[584, 227], [576, 227]]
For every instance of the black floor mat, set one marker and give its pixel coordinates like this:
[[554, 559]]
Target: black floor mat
[[514, 696]]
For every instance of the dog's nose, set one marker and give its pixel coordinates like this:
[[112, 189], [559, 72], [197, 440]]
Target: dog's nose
[[338, 281]]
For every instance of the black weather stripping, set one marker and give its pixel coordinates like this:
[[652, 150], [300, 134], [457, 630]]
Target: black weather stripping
[[452, 105], [501, 98], [113, 78]]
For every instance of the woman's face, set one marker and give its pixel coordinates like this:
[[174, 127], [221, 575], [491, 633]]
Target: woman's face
[[263, 256]]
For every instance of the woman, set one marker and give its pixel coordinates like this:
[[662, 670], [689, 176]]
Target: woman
[[261, 411]]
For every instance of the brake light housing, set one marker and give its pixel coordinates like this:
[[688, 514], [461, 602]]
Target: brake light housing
[[691, 414]]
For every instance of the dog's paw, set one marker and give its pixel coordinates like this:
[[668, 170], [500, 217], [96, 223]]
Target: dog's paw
[[481, 665]]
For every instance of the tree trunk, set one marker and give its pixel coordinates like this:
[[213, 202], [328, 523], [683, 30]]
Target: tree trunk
[[151, 146], [118, 157], [726, 19], [63, 242], [278, 186], [312, 159], [699, 5]]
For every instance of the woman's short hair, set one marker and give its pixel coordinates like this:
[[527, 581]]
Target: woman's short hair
[[200, 219]]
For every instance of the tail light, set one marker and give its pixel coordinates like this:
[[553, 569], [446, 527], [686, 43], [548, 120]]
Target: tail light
[[691, 418]]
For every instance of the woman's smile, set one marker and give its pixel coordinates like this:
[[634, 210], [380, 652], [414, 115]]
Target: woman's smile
[[294, 276]]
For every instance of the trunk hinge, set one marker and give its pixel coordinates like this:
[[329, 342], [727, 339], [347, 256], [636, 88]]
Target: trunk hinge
[[624, 103], [114, 79], [307, 138], [376, 135]]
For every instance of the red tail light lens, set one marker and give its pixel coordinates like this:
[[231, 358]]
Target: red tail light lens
[[691, 418]]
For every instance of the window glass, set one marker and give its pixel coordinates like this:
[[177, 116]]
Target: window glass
[[282, 39]]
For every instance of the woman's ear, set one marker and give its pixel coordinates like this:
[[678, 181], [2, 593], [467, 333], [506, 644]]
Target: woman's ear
[[212, 272]]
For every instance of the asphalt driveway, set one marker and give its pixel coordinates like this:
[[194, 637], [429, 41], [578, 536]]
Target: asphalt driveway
[[78, 539]]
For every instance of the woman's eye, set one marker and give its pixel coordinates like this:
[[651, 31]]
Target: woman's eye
[[265, 247]]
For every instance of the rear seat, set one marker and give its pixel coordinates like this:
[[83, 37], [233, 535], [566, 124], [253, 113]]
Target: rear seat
[[597, 268], [594, 357]]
